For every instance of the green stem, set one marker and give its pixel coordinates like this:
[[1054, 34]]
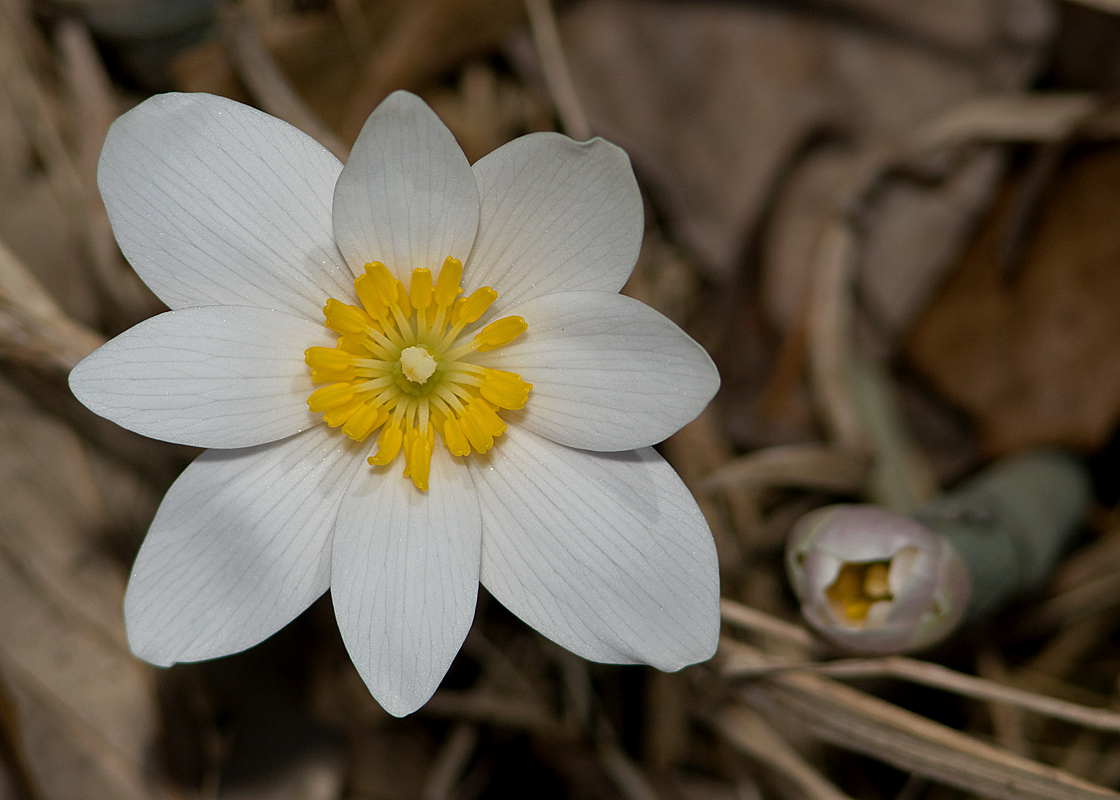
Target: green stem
[[1011, 523]]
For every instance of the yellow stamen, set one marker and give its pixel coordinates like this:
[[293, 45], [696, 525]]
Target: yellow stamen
[[499, 332], [421, 292], [447, 284], [858, 586], [402, 366], [330, 396], [474, 306], [505, 389], [388, 445], [454, 437]]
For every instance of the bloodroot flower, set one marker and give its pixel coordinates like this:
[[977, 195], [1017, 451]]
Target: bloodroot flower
[[474, 340]]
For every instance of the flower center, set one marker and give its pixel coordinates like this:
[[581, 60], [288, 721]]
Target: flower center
[[404, 364], [859, 586], [417, 364]]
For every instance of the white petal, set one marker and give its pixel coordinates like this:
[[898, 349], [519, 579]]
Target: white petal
[[404, 578], [407, 196], [216, 203], [606, 554], [557, 215], [239, 547], [608, 372], [217, 376]]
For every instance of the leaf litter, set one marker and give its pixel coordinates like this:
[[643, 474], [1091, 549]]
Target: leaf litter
[[925, 186]]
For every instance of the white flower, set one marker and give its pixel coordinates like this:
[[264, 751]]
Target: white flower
[[246, 229]]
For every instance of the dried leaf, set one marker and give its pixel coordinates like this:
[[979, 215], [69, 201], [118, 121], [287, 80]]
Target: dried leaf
[[713, 100], [78, 708], [1034, 359]]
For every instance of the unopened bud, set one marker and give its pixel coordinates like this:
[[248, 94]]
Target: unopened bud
[[875, 582]]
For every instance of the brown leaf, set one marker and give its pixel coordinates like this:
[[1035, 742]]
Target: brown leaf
[[1035, 359], [78, 708], [712, 101]]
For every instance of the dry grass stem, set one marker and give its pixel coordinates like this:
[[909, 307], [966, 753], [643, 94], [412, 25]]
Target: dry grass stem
[[810, 466], [557, 77], [33, 329], [1109, 6], [741, 661], [749, 733], [624, 773], [831, 316], [1029, 117], [266, 81], [494, 709], [756, 621], [857, 721], [450, 763]]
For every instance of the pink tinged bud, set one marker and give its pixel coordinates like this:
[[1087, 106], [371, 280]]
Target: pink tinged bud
[[875, 582]]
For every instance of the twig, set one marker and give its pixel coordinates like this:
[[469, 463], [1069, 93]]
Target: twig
[[624, 773], [743, 661], [450, 762], [859, 722], [264, 78], [759, 622], [830, 321], [812, 466], [747, 732], [558, 79], [115, 282], [510, 712], [33, 329]]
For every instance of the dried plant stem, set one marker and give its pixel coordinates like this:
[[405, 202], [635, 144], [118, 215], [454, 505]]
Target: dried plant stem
[[1108, 6], [810, 466], [1026, 117], [830, 321], [859, 722], [488, 707], [747, 732], [77, 193], [856, 721], [264, 78], [1007, 719], [743, 661], [449, 764], [624, 773], [759, 622], [550, 51], [33, 329]]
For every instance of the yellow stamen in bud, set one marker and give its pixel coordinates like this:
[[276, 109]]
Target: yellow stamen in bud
[[858, 586], [404, 365]]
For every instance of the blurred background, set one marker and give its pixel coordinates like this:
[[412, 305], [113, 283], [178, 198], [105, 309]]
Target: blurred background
[[929, 188]]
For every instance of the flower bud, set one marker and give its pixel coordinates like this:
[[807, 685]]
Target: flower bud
[[875, 582]]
